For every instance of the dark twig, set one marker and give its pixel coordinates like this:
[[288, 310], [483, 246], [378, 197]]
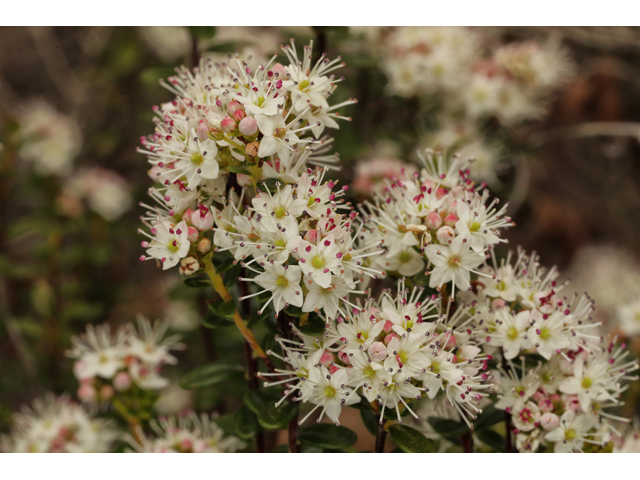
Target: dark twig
[[381, 437], [467, 442]]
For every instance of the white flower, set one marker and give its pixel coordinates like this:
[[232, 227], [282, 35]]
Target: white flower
[[573, 431], [549, 333], [511, 332], [629, 315], [453, 263], [168, 244], [283, 281], [331, 392], [525, 416], [98, 353], [319, 261]]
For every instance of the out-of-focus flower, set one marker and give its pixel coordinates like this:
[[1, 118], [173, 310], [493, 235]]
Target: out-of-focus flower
[[56, 424], [48, 139], [169, 43]]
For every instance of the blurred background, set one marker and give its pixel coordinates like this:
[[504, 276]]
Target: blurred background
[[552, 116]]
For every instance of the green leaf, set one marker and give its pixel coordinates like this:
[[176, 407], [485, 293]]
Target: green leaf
[[275, 418], [259, 318], [203, 33], [411, 440], [270, 184], [238, 169], [197, 282], [370, 421], [294, 311], [257, 400], [223, 309], [227, 423], [246, 423], [231, 275], [327, 436], [449, 429], [492, 439], [213, 321], [489, 417], [211, 374], [222, 265], [314, 326], [420, 279]]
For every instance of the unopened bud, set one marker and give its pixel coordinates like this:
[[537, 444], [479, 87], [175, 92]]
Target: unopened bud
[[189, 266], [248, 126], [278, 69], [433, 221], [312, 236], [390, 337], [87, 393], [498, 304], [333, 369], [202, 219], [549, 421], [106, 392], [204, 245], [377, 351], [450, 220], [233, 106], [388, 326], [239, 115], [252, 149], [327, 359], [194, 234], [203, 130], [344, 357], [445, 235], [186, 216], [228, 125], [122, 381]]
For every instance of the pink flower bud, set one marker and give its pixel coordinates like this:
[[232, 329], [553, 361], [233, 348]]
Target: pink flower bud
[[451, 342], [279, 70], [441, 192], [203, 130], [498, 304], [333, 369], [233, 106], [186, 216], [377, 351], [228, 125], [549, 421], [243, 180], [248, 126], [122, 381], [239, 115], [450, 220], [327, 359], [106, 392], [204, 245], [155, 172], [194, 234], [312, 236], [445, 235], [545, 405], [390, 337], [202, 219], [434, 221], [87, 393], [388, 326], [344, 357]]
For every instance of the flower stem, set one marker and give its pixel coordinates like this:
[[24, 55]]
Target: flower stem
[[381, 437], [467, 442], [218, 285], [134, 422]]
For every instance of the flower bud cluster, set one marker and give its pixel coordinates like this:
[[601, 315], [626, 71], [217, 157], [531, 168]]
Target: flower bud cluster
[[437, 217], [106, 364], [58, 425]]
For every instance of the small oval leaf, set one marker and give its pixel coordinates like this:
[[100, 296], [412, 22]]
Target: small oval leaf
[[327, 436], [275, 418], [246, 423], [211, 374], [411, 440], [197, 282]]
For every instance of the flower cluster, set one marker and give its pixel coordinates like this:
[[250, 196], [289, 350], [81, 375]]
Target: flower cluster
[[186, 433], [392, 352], [560, 404], [106, 363], [58, 425], [229, 121], [440, 216]]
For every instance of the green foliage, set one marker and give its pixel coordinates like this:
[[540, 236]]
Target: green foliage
[[313, 326], [370, 420], [327, 436], [492, 439], [203, 33], [197, 282], [411, 441], [238, 169], [246, 423], [449, 429], [263, 404], [211, 374], [213, 321], [223, 309]]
